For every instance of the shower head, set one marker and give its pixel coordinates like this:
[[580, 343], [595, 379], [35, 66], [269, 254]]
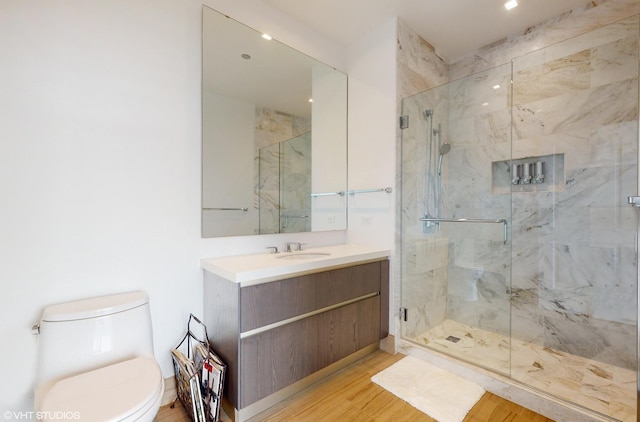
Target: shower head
[[444, 148]]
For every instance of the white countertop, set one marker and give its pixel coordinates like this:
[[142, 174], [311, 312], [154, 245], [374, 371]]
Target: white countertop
[[254, 269]]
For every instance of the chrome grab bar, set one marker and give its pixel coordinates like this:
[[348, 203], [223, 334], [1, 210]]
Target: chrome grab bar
[[353, 192], [341, 193], [469, 220], [294, 216], [226, 209]]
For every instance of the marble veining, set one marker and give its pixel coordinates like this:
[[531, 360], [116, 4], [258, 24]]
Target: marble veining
[[594, 15], [283, 161], [604, 388], [419, 66]]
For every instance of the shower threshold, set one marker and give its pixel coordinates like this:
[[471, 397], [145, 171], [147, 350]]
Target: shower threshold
[[598, 386]]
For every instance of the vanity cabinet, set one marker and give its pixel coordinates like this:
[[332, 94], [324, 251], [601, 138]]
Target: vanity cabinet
[[276, 333]]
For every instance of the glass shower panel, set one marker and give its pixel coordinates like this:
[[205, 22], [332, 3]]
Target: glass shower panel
[[574, 303], [269, 189], [295, 184], [284, 186], [456, 206]]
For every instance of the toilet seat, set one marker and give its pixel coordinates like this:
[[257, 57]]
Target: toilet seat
[[118, 392]]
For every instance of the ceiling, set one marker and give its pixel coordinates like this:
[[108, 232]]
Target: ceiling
[[453, 27], [273, 75]]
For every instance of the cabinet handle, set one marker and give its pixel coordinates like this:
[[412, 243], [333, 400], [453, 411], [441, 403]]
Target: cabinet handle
[[307, 315]]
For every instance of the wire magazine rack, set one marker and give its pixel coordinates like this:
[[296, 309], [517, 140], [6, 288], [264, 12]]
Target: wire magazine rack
[[199, 375]]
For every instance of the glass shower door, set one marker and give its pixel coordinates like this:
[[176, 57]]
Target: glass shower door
[[456, 216], [295, 184], [269, 189], [284, 186], [574, 315]]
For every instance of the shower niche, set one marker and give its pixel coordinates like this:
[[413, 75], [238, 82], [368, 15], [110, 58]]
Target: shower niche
[[529, 174]]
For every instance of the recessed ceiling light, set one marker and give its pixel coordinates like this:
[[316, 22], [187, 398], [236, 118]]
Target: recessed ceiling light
[[510, 4], [485, 104], [496, 87], [245, 56], [310, 100], [269, 38]]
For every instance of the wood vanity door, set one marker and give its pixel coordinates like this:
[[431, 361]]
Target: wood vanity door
[[276, 358], [267, 303]]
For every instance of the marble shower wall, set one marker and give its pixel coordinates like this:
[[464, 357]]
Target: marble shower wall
[[462, 271], [595, 14], [479, 119], [424, 254], [423, 258], [268, 191], [274, 128], [574, 265], [459, 271], [295, 184]]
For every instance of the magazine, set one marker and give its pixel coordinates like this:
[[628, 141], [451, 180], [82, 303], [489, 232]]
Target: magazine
[[211, 380], [187, 384], [199, 375]]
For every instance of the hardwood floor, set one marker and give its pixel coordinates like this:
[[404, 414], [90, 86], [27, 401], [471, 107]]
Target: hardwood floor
[[349, 395]]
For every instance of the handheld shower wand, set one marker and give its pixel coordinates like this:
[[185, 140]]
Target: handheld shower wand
[[444, 149]]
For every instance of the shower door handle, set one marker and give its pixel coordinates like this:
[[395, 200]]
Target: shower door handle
[[634, 201]]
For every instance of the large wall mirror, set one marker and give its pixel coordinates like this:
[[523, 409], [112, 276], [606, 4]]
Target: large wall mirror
[[274, 135]]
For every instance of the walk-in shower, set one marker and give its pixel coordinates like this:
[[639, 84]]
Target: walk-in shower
[[532, 276]]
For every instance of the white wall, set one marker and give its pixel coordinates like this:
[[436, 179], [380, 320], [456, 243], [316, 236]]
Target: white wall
[[100, 162], [228, 149], [371, 65], [329, 154]]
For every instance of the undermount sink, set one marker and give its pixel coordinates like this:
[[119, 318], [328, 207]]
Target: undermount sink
[[303, 255]]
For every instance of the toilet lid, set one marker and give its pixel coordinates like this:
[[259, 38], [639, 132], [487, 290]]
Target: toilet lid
[[107, 394]]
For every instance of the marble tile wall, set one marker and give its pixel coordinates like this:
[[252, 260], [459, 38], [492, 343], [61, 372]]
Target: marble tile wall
[[573, 250], [478, 130], [274, 126], [473, 279], [419, 69], [273, 130], [295, 184], [268, 191], [595, 14]]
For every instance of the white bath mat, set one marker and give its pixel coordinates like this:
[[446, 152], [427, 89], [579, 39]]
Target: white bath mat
[[442, 395]]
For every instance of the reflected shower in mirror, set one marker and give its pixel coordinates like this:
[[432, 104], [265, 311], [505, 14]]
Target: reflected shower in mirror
[[274, 129]]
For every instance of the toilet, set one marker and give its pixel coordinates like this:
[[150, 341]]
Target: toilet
[[95, 361]]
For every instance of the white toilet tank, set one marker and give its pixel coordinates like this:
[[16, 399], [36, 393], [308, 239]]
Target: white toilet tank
[[79, 336]]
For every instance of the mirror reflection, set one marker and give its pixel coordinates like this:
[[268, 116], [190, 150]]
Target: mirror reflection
[[274, 128]]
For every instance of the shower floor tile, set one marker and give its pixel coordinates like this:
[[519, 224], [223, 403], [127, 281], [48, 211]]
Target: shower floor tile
[[595, 385], [483, 348]]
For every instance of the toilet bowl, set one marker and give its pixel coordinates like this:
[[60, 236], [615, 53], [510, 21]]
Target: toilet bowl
[[96, 363]]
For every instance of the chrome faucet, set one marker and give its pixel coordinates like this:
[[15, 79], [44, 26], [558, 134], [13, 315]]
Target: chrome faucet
[[294, 246], [274, 249]]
